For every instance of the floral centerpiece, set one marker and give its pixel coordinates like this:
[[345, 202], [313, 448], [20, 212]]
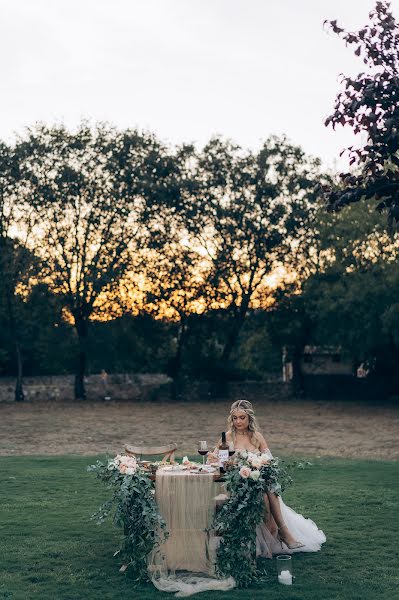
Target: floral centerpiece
[[133, 507]]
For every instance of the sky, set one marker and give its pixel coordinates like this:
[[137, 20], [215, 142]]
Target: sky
[[183, 69]]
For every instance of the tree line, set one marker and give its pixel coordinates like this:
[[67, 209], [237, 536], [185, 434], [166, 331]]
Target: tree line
[[120, 252]]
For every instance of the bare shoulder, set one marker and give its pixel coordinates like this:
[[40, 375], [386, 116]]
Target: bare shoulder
[[262, 442]]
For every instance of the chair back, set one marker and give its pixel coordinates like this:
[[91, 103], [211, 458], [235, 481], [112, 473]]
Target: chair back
[[167, 450]]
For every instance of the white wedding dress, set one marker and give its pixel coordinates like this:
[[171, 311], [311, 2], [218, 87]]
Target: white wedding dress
[[304, 530]]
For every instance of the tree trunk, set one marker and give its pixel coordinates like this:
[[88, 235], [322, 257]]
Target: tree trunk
[[234, 333], [176, 362], [81, 326], [19, 391]]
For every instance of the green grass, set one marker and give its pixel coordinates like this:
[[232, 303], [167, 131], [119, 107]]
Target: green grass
[[50, 550]]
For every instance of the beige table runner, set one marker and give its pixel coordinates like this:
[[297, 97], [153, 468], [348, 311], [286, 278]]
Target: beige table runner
[[186, 502]]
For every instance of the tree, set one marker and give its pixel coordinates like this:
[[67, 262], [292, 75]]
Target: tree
[[369, 104], [175, 289], [96, 191], [250, 209], [17, 263]]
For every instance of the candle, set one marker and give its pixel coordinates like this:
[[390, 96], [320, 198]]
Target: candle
[[285, 578]]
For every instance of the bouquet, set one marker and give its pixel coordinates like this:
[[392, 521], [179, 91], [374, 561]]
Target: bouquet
[[262, 468]]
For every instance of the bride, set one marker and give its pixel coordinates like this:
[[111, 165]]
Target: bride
[[282, 529]]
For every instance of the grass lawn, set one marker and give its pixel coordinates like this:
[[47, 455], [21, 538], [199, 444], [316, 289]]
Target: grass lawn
[[50, 550]]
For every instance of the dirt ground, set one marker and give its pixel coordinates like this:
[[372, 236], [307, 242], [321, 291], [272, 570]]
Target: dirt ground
[[305, 428]]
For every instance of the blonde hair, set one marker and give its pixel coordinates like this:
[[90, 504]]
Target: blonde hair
[[253, 428]]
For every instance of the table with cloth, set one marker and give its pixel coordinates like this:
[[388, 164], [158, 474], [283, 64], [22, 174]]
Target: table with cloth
[[185, 562]]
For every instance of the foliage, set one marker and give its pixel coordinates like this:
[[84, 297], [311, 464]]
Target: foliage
[[246, 482], [175, 288], [134, 508], [17, 263], [249, 209], [369, 104], [96, 191]]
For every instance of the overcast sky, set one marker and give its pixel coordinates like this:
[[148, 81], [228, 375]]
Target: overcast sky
[[184, 69]]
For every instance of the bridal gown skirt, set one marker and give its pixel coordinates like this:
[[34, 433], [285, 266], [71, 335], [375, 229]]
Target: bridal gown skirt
[[304, 530]]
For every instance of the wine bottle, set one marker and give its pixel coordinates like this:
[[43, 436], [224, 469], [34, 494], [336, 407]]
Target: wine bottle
[[223, 454]]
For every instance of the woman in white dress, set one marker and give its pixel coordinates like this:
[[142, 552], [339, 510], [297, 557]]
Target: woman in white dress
[[283, 529]]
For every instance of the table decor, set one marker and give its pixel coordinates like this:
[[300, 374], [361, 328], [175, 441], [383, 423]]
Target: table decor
[[133, 508], [248, 476]]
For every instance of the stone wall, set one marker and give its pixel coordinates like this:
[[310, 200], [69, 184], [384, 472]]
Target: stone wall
[[61, 387], [150, 386]]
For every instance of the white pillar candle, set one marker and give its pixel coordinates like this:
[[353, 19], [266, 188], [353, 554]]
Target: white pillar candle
[[285, 578]]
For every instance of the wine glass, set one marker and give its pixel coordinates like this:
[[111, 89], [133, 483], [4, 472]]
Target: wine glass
[[203, 450], [232, 450]]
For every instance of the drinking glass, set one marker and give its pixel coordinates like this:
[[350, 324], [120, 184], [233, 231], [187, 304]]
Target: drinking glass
[[203, 450]]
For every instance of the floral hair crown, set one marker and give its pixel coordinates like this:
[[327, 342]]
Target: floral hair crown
[[244, 405]]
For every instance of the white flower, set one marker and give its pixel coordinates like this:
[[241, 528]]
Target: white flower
[[244, 453], [256, 462], [185, 460], [130, 471], [255, 475], [251, 456], [112, 465]]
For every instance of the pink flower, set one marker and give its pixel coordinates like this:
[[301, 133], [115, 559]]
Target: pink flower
[[122, 468], [245, 472]]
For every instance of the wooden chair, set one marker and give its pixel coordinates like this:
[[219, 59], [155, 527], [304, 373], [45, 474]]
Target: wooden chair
[[168, 451]]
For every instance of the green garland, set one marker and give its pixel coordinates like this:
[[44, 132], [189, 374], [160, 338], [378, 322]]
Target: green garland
[[237, 519], [134, 508]]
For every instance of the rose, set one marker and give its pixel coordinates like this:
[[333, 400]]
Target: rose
[[251, 456], [264, 459], [256, 463], [130, 471], [243, 453], [255, 475], [128, 461], [245, 472], [122, 468]]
